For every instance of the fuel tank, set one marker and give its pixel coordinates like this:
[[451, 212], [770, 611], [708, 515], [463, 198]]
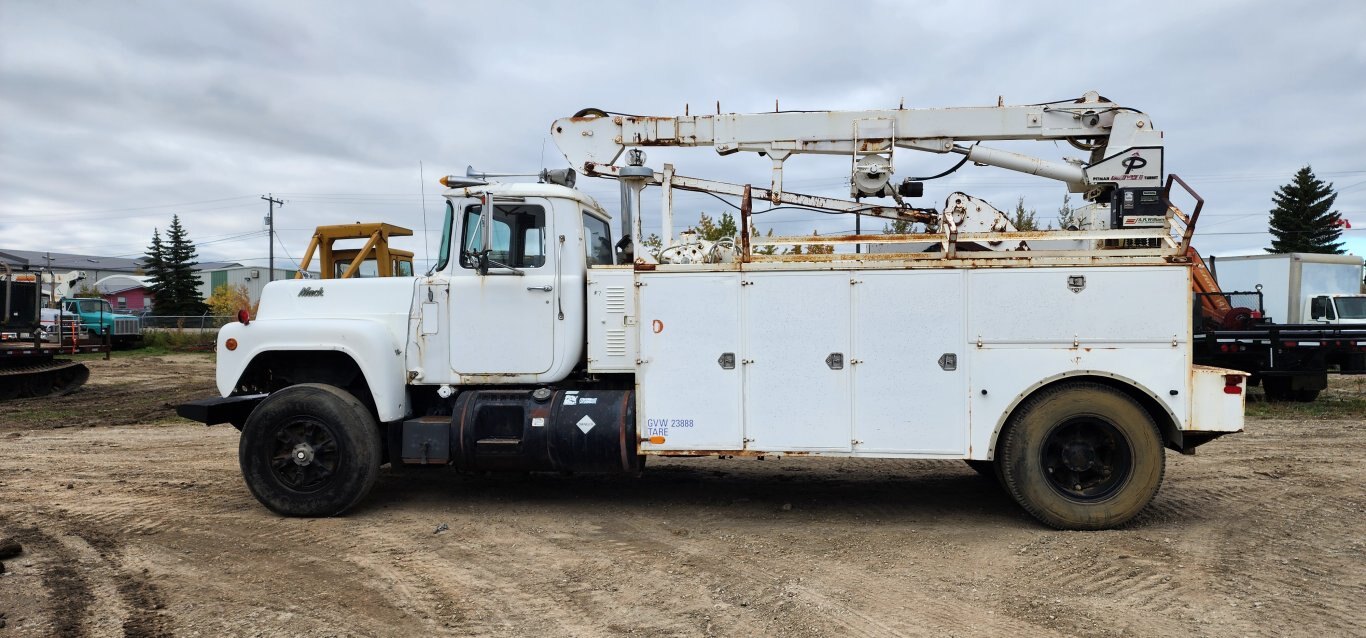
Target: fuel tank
[[530, 430]]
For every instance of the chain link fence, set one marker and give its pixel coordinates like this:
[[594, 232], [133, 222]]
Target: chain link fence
[[182, 333], [187, 322]]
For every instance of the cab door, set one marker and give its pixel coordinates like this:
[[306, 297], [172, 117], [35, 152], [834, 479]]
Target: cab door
[[503, 320]]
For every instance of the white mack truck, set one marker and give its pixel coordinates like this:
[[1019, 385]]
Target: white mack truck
[[543, 340]]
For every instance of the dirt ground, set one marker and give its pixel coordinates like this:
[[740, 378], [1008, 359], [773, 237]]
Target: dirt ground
[[136, 524]]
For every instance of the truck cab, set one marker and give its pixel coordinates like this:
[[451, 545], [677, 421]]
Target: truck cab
[[508, 312], [1336, 309], [98, 320]]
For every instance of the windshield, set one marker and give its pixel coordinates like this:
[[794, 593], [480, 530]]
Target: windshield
[[1351, 307], [93, 305]]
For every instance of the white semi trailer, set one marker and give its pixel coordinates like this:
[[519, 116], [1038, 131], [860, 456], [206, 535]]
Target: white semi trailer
[[537, 342]]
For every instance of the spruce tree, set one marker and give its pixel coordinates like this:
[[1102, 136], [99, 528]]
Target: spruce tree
[[155, 269], [1023, 219], [1303, 220], [179, 263]]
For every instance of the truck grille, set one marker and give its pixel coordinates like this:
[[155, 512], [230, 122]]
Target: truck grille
[[126, 326]]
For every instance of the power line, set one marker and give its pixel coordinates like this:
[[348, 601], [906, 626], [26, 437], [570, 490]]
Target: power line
[[297, 266]]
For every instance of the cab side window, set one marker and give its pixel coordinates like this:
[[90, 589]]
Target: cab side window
[[518, 236], [598, 241]]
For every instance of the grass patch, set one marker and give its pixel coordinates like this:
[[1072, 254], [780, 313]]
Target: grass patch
[[1327, 406], [179, 340], [44, 411], [1344, 398], [156, 343]]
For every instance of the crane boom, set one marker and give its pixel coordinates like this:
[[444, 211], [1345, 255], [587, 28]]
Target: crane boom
[[1123, 145]]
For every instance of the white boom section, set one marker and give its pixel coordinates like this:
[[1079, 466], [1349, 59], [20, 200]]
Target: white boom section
[[1104, 129]]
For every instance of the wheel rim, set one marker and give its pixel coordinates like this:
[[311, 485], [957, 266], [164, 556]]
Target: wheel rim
[[304, 457], [1086, 458]]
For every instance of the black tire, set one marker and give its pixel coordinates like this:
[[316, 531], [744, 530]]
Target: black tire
[[1081, 456], [1277, 389], [310, 450], [1306, 396]]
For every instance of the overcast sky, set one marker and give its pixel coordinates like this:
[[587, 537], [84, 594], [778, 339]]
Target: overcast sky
[[114, 116]]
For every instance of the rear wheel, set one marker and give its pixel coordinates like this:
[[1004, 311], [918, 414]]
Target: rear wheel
[[1277, 389], [1082, 456], [1306, 396], [310, 450]]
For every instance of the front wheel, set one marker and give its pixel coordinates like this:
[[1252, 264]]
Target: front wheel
[[1082, 456], [310, 450]]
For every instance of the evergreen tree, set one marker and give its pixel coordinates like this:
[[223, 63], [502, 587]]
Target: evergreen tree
[[180, 262], [1068, 217], [1025, 219], [1303, 220], [712, 230], [170, 266], [899, 227], [769, 249], [155, 269]]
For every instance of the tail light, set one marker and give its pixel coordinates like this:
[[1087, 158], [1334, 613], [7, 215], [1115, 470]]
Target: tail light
[[244, 316], [1233, 384]]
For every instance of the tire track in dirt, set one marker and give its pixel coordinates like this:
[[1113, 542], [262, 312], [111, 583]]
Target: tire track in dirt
[[714, 558], [89, 587], [69, 593]]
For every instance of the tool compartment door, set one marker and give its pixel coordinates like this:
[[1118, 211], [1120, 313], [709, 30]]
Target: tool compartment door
[[796, 361], [910, 379], [689, 389]]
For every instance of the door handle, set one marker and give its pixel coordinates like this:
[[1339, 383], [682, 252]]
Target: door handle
[[545, 288]]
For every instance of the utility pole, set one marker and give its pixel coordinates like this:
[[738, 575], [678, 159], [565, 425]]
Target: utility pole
[[270, 222], [52, 292]]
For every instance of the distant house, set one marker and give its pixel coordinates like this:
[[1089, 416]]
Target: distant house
[[126, 293]]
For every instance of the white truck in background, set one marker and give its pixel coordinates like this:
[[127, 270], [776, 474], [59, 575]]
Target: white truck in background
[[538, 343], [1299, 288]]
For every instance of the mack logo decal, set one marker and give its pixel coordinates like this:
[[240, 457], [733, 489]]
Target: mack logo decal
[[1132, 163], [308, 291]]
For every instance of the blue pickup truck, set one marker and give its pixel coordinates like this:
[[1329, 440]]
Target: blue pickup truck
[[97, 319]]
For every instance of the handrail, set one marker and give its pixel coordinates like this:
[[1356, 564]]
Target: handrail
[[1195, 215]]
